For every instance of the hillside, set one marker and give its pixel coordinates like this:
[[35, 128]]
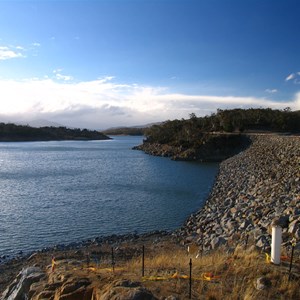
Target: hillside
[[11, 132], [125, 131], [216, 137]]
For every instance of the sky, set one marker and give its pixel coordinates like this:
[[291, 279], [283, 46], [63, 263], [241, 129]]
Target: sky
[[109, 63]]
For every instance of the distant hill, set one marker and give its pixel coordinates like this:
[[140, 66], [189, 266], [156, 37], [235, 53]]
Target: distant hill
[[132, 130], [125, 131], [42, 123], [12, 132]]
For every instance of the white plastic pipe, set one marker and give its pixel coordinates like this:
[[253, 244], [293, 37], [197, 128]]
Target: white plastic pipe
[[276, 244]]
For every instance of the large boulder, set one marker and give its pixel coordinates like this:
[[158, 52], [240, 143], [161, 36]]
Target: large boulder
[[74, 289], [126, 290], [19, 288]]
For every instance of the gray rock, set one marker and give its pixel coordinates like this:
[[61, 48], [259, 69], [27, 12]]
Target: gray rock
[[297, 233], [282, 221], [262, 242], [217, 242], [293, 226], [20, 287], [126, 291], [244, 225], [263, 283]]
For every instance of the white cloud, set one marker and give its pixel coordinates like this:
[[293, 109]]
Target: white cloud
[[103, 103], [290, 77], [297, 102], [60, 76], [9, 53], [295, 77], [271, 91], [63, 77]]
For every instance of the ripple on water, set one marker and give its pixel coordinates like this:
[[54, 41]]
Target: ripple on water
[[59, 192]]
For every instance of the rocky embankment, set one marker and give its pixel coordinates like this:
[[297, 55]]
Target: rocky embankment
[[252, 189], [212, 147]]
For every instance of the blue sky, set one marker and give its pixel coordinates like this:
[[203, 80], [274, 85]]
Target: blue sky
[[98, 64]]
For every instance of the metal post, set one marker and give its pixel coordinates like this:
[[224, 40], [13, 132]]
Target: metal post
[[292, 255], [112, 259], [143, 261], [190, 294]]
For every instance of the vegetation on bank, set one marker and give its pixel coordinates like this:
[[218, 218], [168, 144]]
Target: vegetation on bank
[[242, 273], [218, 136], [135, 131], [189, 132], [13, 132]]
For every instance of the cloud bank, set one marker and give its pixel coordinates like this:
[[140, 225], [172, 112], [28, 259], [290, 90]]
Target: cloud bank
[[9, 52], [103, 103]]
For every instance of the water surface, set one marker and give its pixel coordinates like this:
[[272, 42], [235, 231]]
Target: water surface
[[61, 192]]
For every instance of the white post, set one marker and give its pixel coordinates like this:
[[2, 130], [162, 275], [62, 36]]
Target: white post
[[276, 244]]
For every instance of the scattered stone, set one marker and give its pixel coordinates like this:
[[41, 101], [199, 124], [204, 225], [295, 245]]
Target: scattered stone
[[293, 226], [263, 283], [32, 256], [282, 221], [217, 242], [252, 188], [126, 290]]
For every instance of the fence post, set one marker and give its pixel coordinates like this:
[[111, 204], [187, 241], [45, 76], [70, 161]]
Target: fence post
[[112, 259], [190, 293], [143, 261], [292, 255]]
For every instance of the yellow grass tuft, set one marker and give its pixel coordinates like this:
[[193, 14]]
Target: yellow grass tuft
[[218, 275]]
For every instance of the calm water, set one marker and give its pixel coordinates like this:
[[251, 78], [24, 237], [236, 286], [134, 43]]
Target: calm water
[[61, 192]]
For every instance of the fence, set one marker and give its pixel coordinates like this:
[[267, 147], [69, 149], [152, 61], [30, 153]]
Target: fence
[[113, 258]]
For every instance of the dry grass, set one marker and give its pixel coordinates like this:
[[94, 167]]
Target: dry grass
[[215, 276]]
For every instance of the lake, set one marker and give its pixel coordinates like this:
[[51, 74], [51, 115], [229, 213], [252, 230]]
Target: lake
[[64, 191]]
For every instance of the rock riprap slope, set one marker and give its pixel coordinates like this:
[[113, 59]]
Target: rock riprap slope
[[252, 189]]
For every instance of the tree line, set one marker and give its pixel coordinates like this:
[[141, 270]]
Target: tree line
[[13, 132], [125, 131], [191, 132]]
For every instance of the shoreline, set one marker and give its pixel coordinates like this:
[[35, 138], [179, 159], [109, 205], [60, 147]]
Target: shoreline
[[80, 250], [112, 238]]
